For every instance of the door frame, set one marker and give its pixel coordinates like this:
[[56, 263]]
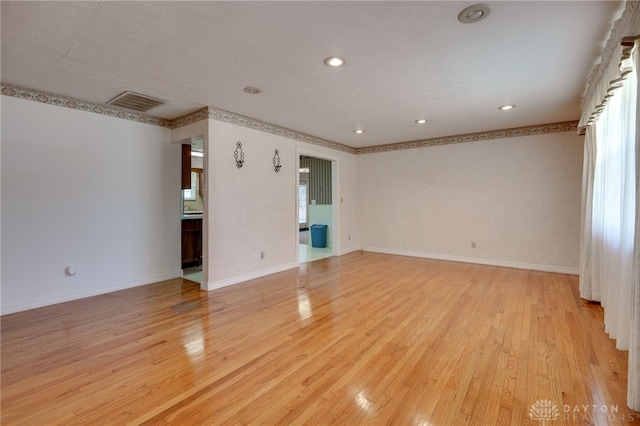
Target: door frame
[[335, 197], [306, 184]]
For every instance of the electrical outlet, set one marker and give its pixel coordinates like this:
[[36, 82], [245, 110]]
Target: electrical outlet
[[473, 244]]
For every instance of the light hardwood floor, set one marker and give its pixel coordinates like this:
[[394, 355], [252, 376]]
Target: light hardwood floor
[[359, 339]]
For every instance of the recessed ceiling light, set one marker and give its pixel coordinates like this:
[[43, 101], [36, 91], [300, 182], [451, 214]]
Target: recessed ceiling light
[[474, 13], [506, 107], [358, 131], [334, 61], [252, 90], [421, 121]]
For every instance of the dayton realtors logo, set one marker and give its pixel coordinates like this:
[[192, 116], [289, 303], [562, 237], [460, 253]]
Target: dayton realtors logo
[[545, 410], [588, 413]]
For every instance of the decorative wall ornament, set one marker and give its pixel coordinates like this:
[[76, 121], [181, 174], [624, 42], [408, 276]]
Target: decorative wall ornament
[[276, 161], [238, 154]]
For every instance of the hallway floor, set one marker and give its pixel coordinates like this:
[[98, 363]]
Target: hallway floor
[[193, 274], [306, 253]]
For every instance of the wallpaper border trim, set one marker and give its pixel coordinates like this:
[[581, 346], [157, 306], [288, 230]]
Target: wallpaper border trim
[[542, 129], [252, 123], [67, 102]]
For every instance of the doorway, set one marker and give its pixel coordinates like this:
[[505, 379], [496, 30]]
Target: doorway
[[316, 216], [191, 217], [303, 201]]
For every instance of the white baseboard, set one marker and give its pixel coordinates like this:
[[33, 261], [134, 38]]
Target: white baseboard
[[349, 250], [81, 295], [491, 262], [246, 277]]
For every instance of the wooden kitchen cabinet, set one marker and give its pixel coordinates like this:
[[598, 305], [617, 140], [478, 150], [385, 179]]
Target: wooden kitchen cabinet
[[191, 242]]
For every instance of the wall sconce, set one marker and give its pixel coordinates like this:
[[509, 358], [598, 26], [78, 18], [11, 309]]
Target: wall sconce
[[238, 154], [276, 161]]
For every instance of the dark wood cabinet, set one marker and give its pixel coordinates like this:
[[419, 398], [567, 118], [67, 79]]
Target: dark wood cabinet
[[186, 166], [191, 242]]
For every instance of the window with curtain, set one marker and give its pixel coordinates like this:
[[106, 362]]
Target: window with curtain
[[610, 253], [613, 212]]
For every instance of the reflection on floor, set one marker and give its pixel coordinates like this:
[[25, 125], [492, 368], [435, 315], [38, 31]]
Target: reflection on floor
[[193, 274], [309, 254]]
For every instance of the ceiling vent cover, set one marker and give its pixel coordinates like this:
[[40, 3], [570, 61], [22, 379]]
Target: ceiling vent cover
[[135, 101]]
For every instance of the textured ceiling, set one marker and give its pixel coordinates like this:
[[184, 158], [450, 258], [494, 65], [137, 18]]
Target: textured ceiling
[[405, 61]]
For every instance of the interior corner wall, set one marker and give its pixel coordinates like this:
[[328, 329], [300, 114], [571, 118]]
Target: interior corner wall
[[96, 193], [253, 209], [518, 199]]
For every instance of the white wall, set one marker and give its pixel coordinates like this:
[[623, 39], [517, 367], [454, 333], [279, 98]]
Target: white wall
[[102, 195], [254, 209], [98, 193], [517, 198]]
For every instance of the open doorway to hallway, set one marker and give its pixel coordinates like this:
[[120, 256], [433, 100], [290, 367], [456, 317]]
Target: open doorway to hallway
[[315, 209], [192, 213]]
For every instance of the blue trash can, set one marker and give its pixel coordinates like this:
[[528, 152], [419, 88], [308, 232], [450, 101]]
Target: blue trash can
[[318, 235]]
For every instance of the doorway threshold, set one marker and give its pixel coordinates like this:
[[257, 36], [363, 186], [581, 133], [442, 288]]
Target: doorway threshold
[[307, 253]]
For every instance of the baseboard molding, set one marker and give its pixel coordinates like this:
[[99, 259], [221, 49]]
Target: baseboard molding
[[82, 295], [490, 262], [349, 250], [246, 277]]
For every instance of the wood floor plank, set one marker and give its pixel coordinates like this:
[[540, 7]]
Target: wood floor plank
[[363, 338]]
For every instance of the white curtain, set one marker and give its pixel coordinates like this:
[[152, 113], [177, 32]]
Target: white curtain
[[610, 245], [610, 193], [633, 383], [587, 290], [613, 211]]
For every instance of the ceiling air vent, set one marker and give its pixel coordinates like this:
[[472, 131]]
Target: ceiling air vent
[[135, 101]]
